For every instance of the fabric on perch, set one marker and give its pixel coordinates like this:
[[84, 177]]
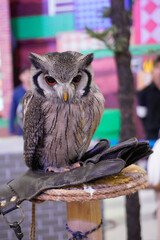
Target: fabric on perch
[[99, 162]]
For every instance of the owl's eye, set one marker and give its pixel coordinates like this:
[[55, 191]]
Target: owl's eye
[[50, 80], [77, 79]]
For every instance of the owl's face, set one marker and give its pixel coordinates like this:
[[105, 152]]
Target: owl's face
[[66, 76]]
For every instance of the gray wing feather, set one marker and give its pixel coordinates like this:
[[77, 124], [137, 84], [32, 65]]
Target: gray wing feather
[[33, 124]]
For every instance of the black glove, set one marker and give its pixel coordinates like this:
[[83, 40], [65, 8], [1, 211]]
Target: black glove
[[99, 148], [129, 151], [99, 162]]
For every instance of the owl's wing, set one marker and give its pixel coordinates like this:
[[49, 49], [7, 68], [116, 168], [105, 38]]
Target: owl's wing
[[33, 123], [26, 100]]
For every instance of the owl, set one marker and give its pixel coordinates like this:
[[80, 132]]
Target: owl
[[61, 111]]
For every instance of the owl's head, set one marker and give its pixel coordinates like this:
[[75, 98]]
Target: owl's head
[[66, 76]]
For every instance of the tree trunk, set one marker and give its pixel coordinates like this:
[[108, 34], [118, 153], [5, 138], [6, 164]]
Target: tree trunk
[[126, 96]]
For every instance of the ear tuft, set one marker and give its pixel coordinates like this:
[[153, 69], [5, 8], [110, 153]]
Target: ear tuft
[[37, 60], [86, 60]]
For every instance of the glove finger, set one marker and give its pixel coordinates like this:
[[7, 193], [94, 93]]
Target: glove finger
[[132, 142], [132, 155], [141, 151], [97, 149], [118, 153], [128, 153], [95, 152]]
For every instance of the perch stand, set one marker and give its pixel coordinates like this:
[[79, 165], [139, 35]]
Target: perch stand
[[83, 201]]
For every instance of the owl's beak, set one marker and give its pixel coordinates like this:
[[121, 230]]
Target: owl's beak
[[65, 95]]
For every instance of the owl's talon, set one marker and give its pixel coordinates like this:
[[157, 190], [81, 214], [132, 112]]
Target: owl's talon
[[75, 165], [62, 169], [57, 170]]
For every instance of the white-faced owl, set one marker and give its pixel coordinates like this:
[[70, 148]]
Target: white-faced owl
[[61, 111]]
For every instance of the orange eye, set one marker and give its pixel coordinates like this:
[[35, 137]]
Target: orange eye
[[77, 79], [50, 80]]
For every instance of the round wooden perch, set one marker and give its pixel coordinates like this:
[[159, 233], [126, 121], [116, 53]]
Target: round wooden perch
[[83, 201]]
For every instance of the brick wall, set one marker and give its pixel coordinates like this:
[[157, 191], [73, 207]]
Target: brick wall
[[6, 55], [50, 216]]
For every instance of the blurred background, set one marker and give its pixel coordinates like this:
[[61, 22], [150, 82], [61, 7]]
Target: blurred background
[[42, 26]]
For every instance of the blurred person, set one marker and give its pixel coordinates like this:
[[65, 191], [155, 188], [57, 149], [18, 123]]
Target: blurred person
[[16, 104], [153, 170], [149, 111], [148, 108]]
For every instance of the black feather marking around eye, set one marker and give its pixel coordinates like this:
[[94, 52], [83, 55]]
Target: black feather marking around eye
[[35, 80], [87, 88]]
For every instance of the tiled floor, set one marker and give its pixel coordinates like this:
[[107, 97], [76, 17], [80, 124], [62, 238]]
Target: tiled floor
[[114, 217]]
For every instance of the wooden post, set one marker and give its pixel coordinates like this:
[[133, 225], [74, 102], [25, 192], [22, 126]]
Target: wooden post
[[83, 217]]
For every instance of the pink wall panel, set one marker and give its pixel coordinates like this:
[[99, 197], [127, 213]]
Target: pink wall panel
[[6, 56], [146, 21], [106, 79], [39, 46], [105, 75]]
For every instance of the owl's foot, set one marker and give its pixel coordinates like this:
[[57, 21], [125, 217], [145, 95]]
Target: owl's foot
[[62, 169], [57, 170], [75, 165]]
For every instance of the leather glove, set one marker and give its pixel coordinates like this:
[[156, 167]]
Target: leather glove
[[99, 162], [129, 151]]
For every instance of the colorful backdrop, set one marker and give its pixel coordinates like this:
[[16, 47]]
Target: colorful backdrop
[[59, 25]]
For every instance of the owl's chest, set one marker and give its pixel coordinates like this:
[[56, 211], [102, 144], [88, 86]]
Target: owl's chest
[[68, 129], [65, 120]]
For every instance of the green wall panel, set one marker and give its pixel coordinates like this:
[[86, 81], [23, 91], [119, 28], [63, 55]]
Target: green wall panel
[[42, 26], [110, 125], [3, 123]]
